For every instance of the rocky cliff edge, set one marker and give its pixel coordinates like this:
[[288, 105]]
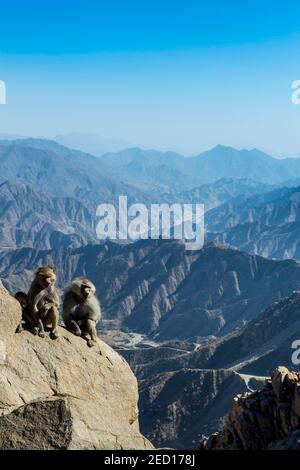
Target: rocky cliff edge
[[61, 394]]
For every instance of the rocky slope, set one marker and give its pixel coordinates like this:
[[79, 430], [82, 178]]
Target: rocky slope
[[268, 419], [61, 394], [62, 172], [171, 376], [159, 288], [177, 408], [30, 218], [255, 349], [218, 192], [266, 224], [179, 403], [259, 346], [276, 207]]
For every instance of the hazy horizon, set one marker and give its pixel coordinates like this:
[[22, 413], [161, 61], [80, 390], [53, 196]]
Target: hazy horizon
[[129, 146], [160, 76]]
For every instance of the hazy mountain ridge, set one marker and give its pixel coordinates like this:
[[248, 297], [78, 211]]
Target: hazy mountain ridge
[[150, 168], [219, 162], [61, 172]]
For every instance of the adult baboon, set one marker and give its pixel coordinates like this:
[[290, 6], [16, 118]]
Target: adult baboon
[[81, 309], [43, 302]]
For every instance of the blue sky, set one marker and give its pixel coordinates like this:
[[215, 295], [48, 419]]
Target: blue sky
[[180, 75]]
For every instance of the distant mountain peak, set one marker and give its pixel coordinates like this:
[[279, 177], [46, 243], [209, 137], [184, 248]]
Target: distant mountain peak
[[227, 150]]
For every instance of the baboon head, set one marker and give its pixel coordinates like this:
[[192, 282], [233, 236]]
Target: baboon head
[[45, 276], [83, 288]]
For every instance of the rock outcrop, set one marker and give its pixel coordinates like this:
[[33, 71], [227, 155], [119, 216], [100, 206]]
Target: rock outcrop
[[61, 394], [268, 419]]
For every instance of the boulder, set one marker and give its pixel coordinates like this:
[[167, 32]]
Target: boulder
[[61, 394]]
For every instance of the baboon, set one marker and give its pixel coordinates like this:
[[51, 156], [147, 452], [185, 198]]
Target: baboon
[[81, 309], [22, 298], [26, 318], [43, 302]]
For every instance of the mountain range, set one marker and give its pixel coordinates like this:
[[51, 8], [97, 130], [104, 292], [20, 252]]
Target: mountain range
[[61, 172], [33, 169], [158, 288], [267, 224], [150, 168], [35, 219], [215, 321]]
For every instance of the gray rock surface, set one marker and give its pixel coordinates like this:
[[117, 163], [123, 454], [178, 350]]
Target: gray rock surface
[[61, 394]]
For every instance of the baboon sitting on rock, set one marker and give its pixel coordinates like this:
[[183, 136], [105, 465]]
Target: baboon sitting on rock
[[40, 306]]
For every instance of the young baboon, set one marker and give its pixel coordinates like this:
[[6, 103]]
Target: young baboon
[[43, 302], [22, 298], [81, 309]]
